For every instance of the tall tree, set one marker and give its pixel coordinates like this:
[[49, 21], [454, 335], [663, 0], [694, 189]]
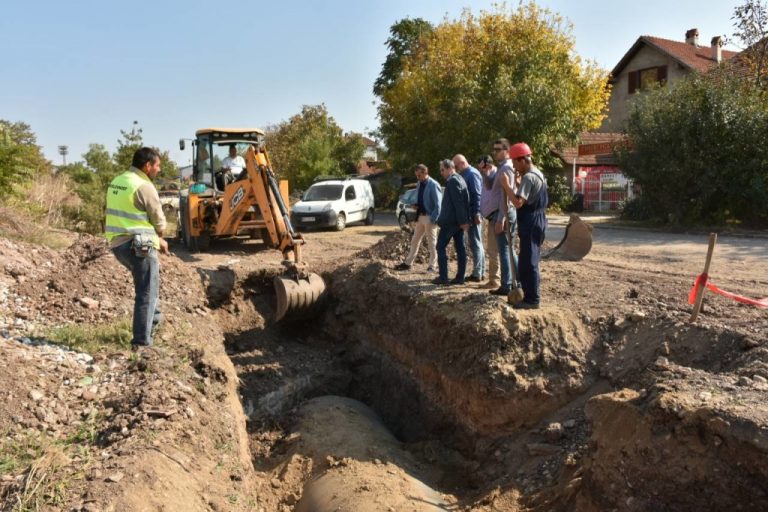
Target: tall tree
[[127, 145], [404, 39], [750, 20], [133, 140], [310, 144], [504, 73]]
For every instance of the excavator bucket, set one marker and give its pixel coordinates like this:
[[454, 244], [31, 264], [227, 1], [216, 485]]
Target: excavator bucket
[[297, 296], [577, 241]]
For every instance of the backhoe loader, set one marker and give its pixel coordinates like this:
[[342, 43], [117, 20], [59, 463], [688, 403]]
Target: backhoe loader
[[228, 201]]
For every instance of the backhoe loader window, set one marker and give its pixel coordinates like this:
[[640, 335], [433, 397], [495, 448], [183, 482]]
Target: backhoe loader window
[[323, 192]]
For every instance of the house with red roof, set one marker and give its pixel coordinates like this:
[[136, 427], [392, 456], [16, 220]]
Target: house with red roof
[[652, 61]]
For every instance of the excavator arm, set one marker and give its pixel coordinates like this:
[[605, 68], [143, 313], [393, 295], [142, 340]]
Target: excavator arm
[[297, 289]]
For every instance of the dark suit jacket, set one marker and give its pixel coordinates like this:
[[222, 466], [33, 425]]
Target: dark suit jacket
[[454, 210]]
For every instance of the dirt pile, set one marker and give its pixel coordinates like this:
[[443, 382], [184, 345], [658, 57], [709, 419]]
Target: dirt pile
[[395, 247], [82, 284], [114, 430]]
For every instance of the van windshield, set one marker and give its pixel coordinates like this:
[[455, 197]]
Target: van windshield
[[327, 192]]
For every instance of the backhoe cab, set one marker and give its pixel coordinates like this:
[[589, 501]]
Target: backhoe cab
[[234, 192]]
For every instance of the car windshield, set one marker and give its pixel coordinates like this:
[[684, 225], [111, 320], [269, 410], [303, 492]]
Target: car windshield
[[326, 192], [410, 197]]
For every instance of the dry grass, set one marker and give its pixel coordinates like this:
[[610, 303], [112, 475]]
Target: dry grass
[[36, 215], [50, 194], [19, 224], [38, 461]]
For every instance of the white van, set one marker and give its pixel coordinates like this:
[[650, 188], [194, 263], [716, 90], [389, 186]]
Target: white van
[[334, 203]]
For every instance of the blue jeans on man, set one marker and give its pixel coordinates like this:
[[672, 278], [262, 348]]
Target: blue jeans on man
[[146, 282], [448, 233], [507, 253], [475, 235]]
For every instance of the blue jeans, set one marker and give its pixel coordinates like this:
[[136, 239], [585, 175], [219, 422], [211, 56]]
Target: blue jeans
[[475, 235], [507, 252], [146, 284], [448, 233]]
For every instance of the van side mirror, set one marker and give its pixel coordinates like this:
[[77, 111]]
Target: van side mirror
[[181, 144]]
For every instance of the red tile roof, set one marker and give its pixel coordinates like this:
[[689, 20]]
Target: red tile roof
[[567, 155], [697, 58]]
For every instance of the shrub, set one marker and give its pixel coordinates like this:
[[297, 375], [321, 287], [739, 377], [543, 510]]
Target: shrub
[[698, 151]]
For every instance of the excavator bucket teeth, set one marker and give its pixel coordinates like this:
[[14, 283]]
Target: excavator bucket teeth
[[297, 297]]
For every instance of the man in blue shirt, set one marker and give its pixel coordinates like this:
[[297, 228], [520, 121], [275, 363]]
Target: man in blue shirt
[[453, 221], [474, 182], [428, 210]]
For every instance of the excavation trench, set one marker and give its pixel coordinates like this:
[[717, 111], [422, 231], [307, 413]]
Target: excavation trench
[[403, 396]]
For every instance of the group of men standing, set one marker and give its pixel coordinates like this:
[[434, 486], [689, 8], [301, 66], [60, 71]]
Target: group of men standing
[[508, 194]]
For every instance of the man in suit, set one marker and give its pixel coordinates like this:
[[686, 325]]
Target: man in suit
[[454, 219]]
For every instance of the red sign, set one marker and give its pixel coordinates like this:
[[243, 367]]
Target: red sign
[[601, 148]]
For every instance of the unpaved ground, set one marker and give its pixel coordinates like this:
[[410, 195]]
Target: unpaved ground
[[504, 411]]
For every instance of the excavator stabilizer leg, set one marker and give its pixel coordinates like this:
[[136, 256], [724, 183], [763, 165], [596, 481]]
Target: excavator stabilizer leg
[[297, 295]]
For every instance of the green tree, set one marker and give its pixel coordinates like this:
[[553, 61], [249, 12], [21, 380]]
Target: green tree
[[127, 145], [750, 20], [133, 140], [310, 144], [504, 73], [698, 152], [404, 38], [20, 156]]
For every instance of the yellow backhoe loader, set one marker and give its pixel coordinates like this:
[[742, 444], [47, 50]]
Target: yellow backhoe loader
[[230, 196]]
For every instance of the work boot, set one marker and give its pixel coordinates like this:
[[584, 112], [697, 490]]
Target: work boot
[[439, 281], [402, 266], [526, 305], [474, 279], [490, 285], [500, 291], [456, 280]]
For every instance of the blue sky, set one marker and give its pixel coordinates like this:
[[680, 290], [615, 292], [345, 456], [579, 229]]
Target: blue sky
[[78, 72]]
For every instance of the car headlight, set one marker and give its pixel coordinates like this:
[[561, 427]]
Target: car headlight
[[327, 207]]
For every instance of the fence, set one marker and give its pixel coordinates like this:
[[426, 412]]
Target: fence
[[604, 191]]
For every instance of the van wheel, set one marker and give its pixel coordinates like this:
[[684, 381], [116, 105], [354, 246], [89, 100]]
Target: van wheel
[[341, 222], [369, 217]]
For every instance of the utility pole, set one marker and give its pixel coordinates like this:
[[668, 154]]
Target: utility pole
[[64, 151]]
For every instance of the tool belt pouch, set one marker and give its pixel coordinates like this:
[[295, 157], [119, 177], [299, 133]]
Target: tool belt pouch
[[142, 244]]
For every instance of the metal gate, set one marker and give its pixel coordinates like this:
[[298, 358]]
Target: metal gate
[[604, 191]]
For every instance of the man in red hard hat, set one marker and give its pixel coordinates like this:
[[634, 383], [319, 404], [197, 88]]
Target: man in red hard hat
[[531, 201]]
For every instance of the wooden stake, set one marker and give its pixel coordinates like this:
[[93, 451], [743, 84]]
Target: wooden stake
[[700, 292]]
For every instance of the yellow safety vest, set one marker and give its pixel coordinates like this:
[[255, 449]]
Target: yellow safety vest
[[123, 218]]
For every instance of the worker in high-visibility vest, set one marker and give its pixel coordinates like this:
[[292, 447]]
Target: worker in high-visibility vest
[[134, 229]]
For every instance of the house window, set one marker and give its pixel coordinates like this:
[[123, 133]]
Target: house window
[[644, 79]]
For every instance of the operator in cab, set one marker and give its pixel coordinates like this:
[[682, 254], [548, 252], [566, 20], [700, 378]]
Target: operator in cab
[[231, 168]]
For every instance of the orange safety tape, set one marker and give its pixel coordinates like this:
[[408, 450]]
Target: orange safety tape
[[701, 280]]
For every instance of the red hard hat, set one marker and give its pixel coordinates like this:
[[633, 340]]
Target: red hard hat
[[519, 149]]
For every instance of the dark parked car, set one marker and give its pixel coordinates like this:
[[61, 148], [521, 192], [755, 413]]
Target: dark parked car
[[405, 211]]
